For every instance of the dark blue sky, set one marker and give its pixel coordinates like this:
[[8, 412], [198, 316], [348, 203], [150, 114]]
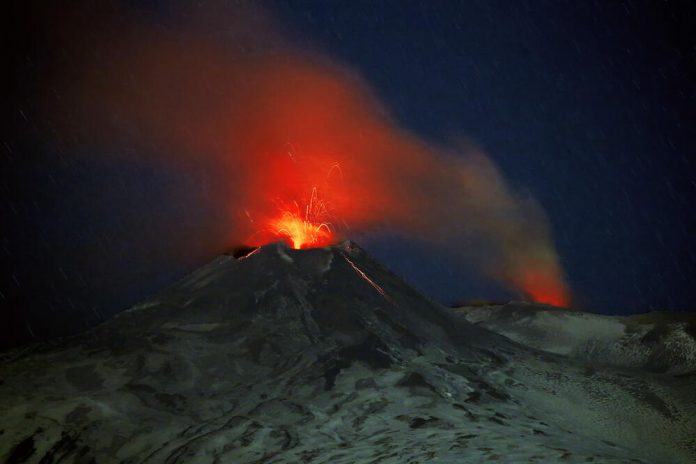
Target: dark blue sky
[[588, 106]]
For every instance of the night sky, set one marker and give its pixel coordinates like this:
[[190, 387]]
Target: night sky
[[587, 106]]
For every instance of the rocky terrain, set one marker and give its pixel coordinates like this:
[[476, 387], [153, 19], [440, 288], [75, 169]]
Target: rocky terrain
[[323, 355], [660, 342]]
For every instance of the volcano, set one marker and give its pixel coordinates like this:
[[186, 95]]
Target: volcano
[[323, 355]]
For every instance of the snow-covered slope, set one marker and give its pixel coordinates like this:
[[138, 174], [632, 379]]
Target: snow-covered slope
[[321, 356], [660, 342]]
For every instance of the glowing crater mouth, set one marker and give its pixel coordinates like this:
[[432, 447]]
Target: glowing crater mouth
[[298, 227], [300, 233]]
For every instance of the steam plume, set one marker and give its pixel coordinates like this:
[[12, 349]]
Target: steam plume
[[275, 126]]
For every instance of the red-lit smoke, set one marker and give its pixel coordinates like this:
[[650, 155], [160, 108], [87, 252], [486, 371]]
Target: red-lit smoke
[[298, 147]]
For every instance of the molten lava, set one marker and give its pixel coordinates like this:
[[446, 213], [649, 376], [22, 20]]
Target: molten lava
[[301, 233], [299, 228]]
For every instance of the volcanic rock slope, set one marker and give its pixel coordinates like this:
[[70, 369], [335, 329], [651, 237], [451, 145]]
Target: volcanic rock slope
[[319, 356], [661, 342]]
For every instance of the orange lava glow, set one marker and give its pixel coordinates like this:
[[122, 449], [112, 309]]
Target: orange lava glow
[[300, 228], [301, 233], [545, 289], [549, 296]]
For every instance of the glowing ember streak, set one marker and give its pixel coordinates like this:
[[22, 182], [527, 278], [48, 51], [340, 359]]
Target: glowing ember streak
[[304, 230], [364, 276], [249, 255]]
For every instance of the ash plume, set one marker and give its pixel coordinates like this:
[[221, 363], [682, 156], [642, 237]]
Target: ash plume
[[274, 126]]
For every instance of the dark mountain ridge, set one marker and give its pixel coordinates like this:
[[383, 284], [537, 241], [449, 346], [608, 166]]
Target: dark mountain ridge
[[323, 355]]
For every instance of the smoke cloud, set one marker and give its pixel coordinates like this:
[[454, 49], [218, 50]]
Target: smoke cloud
[[273, 125]]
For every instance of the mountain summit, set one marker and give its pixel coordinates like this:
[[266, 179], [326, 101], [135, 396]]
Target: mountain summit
[[323, 355]]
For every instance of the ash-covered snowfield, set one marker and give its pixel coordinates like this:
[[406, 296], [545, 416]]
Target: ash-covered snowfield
[[660, 342], [323, 355]]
